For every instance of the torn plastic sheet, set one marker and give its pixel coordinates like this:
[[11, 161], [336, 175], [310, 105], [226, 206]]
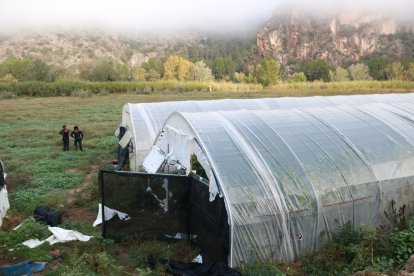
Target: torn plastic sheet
[[181, 147], [4, 203], [154, 160], [126, 139], [109, 214], [59, 235], [202, 159], [178, 236], [198, 259]]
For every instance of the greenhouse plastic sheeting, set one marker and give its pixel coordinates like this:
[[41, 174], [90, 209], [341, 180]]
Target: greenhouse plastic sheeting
[[290, 177], [146, 119]]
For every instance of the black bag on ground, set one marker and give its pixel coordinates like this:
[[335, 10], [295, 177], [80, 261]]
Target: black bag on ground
[[44, 214]]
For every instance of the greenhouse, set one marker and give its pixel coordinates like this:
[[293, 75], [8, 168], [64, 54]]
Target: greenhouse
[[288, 178], [141, 122]]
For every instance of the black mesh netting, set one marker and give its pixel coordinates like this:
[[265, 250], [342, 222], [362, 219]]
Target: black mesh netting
[[161, 206], [154, 204]]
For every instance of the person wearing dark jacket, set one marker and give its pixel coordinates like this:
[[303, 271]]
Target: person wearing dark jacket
[[65, 137], [78, 135]]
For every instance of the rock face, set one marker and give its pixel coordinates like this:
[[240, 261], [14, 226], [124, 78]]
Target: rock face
[[292, 36]]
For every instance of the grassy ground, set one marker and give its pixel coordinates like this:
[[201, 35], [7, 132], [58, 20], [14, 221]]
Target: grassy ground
[[40, 173]]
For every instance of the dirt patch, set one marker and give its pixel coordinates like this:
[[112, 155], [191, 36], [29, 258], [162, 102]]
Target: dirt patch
[[80, 214], [84, 184], [72, 171], [76, 212], [15, 180], [11, 222]]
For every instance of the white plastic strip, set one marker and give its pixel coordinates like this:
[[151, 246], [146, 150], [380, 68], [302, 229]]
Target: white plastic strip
[[109, 214], [4, 204]]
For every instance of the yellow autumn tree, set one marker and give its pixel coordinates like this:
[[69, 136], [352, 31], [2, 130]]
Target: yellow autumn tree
[[178, 68]]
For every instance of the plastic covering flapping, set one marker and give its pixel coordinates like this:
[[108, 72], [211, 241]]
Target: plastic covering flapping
[[4, 199], [145, 120], [291, 177]]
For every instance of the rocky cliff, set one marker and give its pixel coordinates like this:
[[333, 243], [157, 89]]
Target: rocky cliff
[[292, 36]]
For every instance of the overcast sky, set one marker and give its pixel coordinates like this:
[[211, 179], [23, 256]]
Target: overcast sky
[[136, 15], [164, 14]]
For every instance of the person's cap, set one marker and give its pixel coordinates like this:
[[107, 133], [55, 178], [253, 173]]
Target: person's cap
[[64, 126]]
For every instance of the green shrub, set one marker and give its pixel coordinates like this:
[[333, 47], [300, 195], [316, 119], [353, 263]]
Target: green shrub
[[351, 249], [87, 264], [403, 243], [27, 231], [7, 95], [261, 269], [81, 93]]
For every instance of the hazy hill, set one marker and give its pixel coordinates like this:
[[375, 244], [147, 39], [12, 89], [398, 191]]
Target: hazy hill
[[69, 49], [290, 36]]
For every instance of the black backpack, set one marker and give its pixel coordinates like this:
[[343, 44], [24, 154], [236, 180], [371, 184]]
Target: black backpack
[[46, 215]]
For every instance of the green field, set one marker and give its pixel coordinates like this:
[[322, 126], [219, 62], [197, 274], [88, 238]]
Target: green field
[[40, 173]]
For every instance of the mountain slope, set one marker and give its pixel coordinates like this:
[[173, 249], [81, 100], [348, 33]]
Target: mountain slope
[[292, 36]]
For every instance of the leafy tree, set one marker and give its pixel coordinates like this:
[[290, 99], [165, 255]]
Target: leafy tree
[[20, 69], [395, 71], [123, 72], [268, 73], [140, 74], [178, 68], [229, 66], [340, 74], [154, 65], [251, 77], [410, 72], [238, 53], [185, 70], [219, 69], [44, 72], [239, 77], [359, 71], [101, 70], [298, 77], [315, 70], [377, 66], [202, 72], [153, 75], [8, 78]]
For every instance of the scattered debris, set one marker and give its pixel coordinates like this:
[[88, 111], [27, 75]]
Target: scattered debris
[[59, 235], [109, 214], [23, 268], [44, 214]]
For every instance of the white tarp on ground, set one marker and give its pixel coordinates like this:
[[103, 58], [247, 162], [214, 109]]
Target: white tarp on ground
[[4, 204], [145, 120], [290, 177], [58, 235]]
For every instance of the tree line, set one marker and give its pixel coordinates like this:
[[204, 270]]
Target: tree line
[[267, 71]]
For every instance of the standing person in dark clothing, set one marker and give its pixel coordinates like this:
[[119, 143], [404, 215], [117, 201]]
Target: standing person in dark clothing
[[78, 135], [65, 137]]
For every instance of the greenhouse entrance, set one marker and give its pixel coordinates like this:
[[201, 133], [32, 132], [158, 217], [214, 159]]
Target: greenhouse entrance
[[165, 207]]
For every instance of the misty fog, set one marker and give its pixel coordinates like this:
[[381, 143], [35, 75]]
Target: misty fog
[[135, 15], [172, 15]]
